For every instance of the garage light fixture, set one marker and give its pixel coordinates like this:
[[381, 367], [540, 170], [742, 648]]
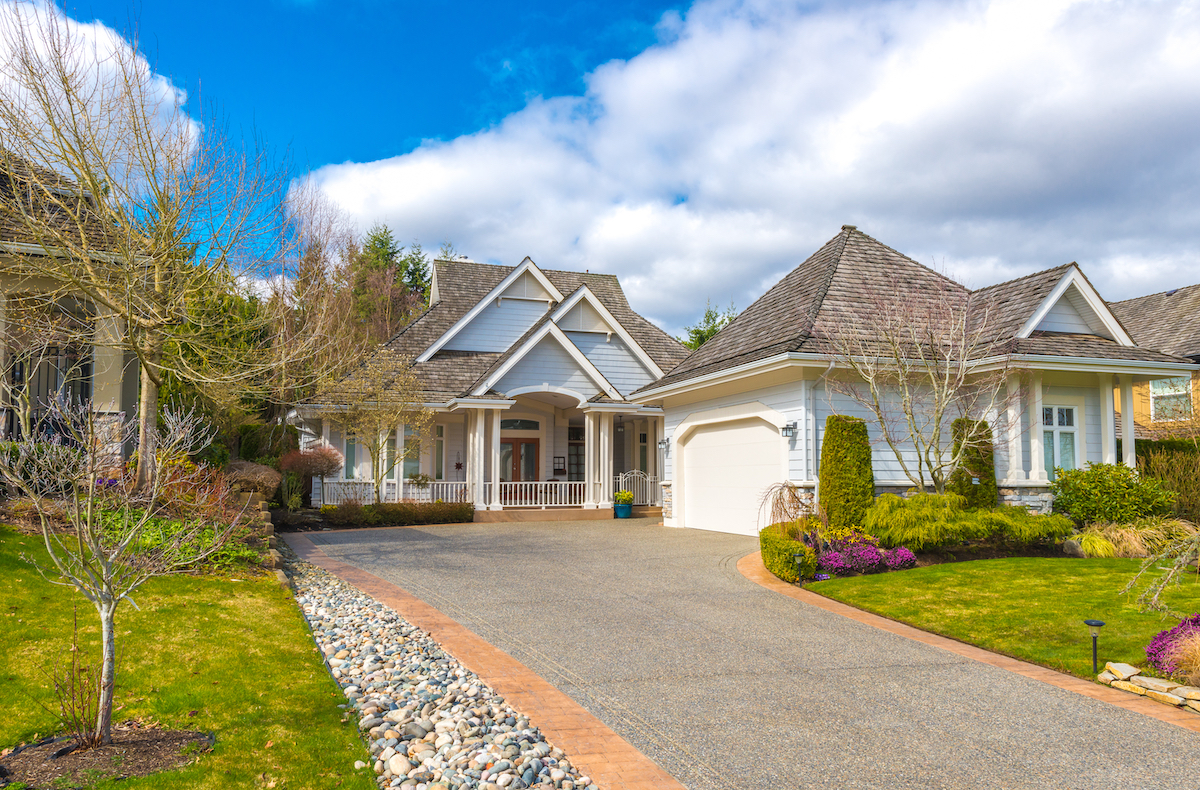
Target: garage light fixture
[[789, 430], [663, 444]]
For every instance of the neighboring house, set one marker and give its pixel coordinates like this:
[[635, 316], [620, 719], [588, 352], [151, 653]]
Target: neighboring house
[[529, 373], [1170, 322], [748, 408], [98, 372]]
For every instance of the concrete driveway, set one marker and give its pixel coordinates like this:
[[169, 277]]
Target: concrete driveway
[[728, 685]]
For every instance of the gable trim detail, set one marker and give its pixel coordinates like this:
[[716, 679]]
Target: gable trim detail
[[1074, 277], [549, 329], [583, 293], [526, 265]]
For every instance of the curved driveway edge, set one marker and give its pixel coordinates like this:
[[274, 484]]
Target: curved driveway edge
[[592, 747], [751, 566]]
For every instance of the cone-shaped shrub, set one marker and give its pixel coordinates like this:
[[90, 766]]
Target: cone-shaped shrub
[[847, 481], [977, 463]]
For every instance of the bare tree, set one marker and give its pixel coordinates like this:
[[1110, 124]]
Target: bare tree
[[382, 395], [120, 197], [114, 540], [917, 358], [42, 358]]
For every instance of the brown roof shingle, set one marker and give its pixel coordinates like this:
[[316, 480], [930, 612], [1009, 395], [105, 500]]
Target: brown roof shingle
[[1168, 321]]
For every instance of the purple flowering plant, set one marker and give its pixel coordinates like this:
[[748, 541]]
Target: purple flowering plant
[[1158, 652]]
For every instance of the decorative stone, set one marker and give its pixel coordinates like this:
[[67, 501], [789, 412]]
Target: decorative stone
[[1106, 677], [1072, 548], [1122, 671], [1127, 686], [1162, 696], [1154, 684], [1187, 692], [1193, 704], [398, 765]]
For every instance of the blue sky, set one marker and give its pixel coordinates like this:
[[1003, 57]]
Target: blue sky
[[702, 150], [353, 80]]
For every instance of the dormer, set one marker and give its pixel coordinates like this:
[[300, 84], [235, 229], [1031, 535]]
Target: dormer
[[1073, 306]]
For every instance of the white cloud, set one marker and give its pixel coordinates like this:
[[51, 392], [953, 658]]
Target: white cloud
[[988, 138]]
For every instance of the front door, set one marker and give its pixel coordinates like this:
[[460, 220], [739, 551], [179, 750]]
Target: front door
[[518, 460]]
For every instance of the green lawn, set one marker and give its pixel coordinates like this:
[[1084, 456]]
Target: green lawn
[[236, 653], [1027, 607]]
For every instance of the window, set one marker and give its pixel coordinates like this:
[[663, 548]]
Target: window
[[642, 453], [1059, 447], [574, 434], [519, 425], [1171, 399], [412, 453], [439, 452], [350, 448], [391, 456]]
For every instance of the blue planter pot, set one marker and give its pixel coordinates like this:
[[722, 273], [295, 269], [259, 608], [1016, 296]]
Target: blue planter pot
[[623, 511]]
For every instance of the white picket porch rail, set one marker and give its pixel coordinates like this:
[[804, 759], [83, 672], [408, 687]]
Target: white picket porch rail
[[646, 490], [335, 492], [541, 494]]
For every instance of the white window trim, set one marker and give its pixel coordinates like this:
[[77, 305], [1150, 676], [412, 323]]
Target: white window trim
[[1078, 429], [1074, 276]]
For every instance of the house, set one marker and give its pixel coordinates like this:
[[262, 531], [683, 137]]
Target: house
[[1168, 321], [36, 366], [529, 373], [748, 409]]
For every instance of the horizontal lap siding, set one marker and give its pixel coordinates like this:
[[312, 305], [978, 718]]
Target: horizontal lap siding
[[613, 359], [548, 363], [883, 461], [498, 326]]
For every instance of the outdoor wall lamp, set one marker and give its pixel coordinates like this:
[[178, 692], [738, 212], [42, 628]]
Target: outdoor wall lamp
[[788, 431], [663, 444], [1094, 626]]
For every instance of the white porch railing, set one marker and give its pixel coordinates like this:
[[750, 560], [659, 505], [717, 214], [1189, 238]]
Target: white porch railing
[[539, 494], [439, 490], [335, 492], [646, 490]]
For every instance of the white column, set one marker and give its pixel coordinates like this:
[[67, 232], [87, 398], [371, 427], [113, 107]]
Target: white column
[[1016, 464], [398, 472], [496, 460], [480, 449], [652, 447], [1108, 419], [1127, 440], [472, 494], [1037, 462], [589, 460], [606, 459]]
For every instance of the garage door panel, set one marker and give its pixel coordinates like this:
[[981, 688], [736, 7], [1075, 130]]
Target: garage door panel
[[727, 467]]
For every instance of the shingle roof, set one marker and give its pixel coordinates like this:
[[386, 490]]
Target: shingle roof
[[21, 180], [1168, 321], [834, 295], [461, 284]]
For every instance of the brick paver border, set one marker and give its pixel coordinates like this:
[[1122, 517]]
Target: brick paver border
[[751, 566], [592, 747]]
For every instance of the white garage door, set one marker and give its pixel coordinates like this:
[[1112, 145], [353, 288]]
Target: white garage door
[[726, 469]]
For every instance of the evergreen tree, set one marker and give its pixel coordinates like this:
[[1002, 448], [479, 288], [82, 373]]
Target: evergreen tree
[[709, 324], [414, 271]]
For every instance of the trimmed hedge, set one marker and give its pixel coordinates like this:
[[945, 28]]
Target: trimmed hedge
[[926, 522], [977, 463], [399, 514], [1109, 493], [847, 482], [1144, 447], [779, 550]]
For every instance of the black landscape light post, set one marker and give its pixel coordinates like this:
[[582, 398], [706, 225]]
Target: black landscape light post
[[799, 559], [1095, 626]]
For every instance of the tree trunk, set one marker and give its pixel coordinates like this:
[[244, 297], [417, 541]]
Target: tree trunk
[[147, 425], [108, 670]]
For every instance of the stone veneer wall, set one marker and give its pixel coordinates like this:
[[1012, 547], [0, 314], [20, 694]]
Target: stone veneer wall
[[667, 499], [1037, 500]]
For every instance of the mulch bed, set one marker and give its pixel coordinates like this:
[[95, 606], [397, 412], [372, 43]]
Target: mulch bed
[[968, 553], [135, 751]]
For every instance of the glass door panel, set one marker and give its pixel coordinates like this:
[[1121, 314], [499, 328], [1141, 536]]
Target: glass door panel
[[506, 462], [529, 458], [1066, 450], [1048, 453]]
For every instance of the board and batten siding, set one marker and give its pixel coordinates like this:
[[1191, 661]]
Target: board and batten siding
[[498, 325], [613, 359], [548, 363]]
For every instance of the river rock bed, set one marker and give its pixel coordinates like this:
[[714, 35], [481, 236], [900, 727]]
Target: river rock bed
[[430, 723]]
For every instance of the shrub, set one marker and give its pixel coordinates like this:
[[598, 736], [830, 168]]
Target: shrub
[[1108, 493], [779, 549], [1185, 655], [623, 497], [926, 522], [900, 559], [1179, 473], [854, 551], [253, 477], [847, 483], [1143, 538], [1160, 651], [977, 463], [398, 514], [1094, 544], [319, 460]]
